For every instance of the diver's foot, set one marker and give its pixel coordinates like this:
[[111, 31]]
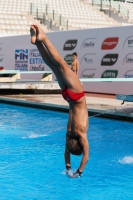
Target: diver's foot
[[33, 34], [40, 35]]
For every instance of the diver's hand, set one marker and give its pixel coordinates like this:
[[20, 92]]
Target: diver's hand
[[69, 171], [77, 174]]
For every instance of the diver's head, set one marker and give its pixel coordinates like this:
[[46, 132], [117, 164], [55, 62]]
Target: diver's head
[[74, 55], [74, 146]]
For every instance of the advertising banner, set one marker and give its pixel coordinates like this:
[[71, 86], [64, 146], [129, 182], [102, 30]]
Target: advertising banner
[[102, 53], [1, 56]]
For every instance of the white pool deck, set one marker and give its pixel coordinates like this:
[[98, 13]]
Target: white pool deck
[[105, 105], [100, 105]]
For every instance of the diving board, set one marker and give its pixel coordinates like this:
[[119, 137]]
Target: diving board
[[106, 79], [13, 75], [128, 98], [9, 71], [34, 72], [47, 75], [9, 75], [124, 97]]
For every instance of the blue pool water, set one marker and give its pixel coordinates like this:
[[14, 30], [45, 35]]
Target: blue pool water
[[32, 158]]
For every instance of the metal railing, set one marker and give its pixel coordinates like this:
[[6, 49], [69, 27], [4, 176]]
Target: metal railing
[[117, 5], [48, 17]]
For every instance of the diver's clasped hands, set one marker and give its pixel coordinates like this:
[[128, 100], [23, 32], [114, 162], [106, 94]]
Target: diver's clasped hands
[[71, 174]]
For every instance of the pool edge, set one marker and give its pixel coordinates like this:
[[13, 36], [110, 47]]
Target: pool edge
[[111, 114]]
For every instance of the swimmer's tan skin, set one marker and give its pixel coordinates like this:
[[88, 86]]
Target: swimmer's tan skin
[[78, 115], [75, 64]]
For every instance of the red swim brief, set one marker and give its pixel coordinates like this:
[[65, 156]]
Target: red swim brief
[[69, 95]]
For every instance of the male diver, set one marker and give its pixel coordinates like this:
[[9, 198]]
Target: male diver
[[75, 64], [72, 92]]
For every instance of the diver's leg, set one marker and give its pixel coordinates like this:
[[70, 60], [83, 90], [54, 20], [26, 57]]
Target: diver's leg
[[46, 57], [68, 76]]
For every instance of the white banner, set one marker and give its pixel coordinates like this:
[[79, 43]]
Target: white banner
[[102, 53]]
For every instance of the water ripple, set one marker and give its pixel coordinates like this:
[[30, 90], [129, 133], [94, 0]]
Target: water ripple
[[126, 160]]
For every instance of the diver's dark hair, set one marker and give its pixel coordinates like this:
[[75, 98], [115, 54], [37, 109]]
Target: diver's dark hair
[[74, 147], [74, 54]]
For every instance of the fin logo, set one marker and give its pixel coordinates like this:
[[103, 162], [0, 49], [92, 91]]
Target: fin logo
[[21, 54], [70, 45], [109, 74], [109, 43], [21, 59], [109, 59]]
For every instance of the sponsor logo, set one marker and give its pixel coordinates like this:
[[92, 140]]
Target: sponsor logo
[[109, 59], [21, 59], [34, 53], [88, 43], [128, 42], [128, 59], [68, 58], [128, 74], [70, 45], [1, 59], [37, 68], [1, 47], [36, 62], [109, 43], [109, 74], [87, 60], [88, 73], [1, 67], [21, 54]]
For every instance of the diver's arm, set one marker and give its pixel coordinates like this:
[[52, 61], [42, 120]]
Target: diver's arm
[[67, 157], [77, 67], [68, 166], [85, 144], [85, 157]]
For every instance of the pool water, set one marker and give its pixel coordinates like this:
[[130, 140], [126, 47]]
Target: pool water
[[32, 158]]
